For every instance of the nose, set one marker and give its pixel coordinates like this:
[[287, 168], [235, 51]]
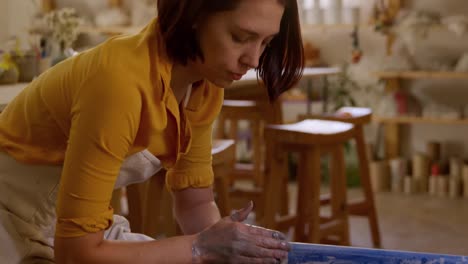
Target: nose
[[251, 56]]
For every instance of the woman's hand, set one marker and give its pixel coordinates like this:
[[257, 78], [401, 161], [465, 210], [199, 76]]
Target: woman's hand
[[231, 241]]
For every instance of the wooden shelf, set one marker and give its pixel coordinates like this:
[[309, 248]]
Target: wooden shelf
[[421, 75], [419, 120], [310, 27]]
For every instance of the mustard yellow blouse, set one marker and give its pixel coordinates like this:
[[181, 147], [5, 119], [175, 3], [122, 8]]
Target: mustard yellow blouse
[[93, 110]]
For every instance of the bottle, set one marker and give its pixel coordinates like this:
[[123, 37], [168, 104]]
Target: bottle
[[435, 170], [61, 54]]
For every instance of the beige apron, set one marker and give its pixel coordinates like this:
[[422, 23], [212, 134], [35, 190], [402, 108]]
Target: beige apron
[[28, 195], [27, 205]]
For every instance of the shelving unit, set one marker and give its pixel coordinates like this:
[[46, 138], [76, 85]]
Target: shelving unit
[[49, 5], [310, 27], [419, 120], [392, 124], [421, 75]]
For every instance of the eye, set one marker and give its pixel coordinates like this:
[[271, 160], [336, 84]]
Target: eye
[[238, 39]]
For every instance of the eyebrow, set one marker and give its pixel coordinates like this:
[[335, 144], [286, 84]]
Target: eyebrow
[[253, 33]]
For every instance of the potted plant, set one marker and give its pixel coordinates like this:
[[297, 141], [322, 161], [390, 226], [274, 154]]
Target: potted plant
[[62, 25]]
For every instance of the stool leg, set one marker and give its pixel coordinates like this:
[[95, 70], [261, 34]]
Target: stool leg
[[303, 189], [169, 223], [221, 126], [308, 202], [256, 152], [366, 185], [221, 173], [338, 193], [152, 207], [233, 129], [285, 192], [275, 161], [135, 207]]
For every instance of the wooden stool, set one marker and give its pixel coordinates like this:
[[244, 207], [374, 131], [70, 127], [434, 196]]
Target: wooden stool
[[235, 111], [359, 117], [224, 157], [311, 138], [150, 203], [150, 207], [258, 113]]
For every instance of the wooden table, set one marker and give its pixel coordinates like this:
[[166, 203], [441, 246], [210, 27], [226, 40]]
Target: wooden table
[[8, 92], [249, 87], [309, 73]]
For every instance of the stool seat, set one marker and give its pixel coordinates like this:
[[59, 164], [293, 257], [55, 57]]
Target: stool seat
[[353, 115], [312, 131], [355, 112], [240, 103], [242, 109]]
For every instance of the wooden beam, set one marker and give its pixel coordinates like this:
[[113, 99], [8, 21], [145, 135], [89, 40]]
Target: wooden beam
[[392, 85], [47, 6], [115, 3], [394, 7], [392, 130], [392, 140]]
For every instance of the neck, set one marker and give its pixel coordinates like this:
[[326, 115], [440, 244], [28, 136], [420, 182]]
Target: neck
[[182, 78]]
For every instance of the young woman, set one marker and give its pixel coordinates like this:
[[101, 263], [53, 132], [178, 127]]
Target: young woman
[[117, 113]]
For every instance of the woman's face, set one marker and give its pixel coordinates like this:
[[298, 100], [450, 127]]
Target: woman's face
[[233, 41]]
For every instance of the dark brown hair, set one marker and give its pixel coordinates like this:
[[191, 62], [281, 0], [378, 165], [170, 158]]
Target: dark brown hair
[[280, 65]]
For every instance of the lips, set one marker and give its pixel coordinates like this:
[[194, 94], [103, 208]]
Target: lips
[[237, 76]]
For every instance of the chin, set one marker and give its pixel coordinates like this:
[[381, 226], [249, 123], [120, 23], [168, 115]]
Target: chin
[[221, 82]]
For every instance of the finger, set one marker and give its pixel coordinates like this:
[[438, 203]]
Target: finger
[[272, 243], [253, 260], [268, 238], [260, 231], [261, 252], [241, 215]]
